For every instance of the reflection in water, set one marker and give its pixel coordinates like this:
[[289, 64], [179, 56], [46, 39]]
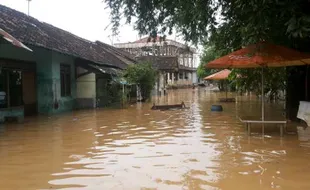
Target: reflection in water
[[137, 148]]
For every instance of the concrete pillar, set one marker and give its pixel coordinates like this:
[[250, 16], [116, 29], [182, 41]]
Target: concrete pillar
[[168, 77], [194, 77], [190, 78], [161, 82], [156, 88], [172, 80], [186, 58]]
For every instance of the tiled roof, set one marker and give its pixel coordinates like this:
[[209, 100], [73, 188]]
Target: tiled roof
[[149, 39], [33, 32], [164, 62], [117, 55]]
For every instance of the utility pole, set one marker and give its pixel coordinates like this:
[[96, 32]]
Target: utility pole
[[28, 7]]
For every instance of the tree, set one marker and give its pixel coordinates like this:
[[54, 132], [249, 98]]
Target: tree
[[227, 25], [250, 80], [144, 75], [208, 55], [244, 20]]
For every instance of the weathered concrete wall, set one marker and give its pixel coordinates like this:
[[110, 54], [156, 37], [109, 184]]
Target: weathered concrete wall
[[86, 90], [44, 80], [64, 103], [47, 76]]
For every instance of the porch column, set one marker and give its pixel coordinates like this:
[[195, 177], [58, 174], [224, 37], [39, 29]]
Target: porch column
[[172, 80], [161, 83], [190, 81], [168, 77]]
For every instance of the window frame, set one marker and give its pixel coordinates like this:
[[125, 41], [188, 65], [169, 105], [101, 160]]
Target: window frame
[[65, 80]]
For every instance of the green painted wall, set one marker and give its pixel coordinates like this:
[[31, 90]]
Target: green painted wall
[[48, 76], [65, 103]]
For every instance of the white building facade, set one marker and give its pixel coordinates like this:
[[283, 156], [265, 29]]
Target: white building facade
[[176, 62]]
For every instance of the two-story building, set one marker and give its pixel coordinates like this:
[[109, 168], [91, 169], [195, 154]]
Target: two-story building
[[176, 62]]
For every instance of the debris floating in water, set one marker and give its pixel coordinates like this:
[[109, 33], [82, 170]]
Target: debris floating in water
[[168, 107]]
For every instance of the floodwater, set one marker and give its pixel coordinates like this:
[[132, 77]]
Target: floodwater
[[137, 148]]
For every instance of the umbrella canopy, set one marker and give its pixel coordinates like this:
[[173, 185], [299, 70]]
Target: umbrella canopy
[[12, 40], [221, 75], [261, 54]]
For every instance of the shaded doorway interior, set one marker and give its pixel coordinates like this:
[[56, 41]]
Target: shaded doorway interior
[[18, 86]]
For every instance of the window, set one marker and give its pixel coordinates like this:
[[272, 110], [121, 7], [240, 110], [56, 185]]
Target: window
[[65, 80], [181, 75]]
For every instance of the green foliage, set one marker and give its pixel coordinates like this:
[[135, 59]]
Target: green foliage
[[225, 26], [250, 79], [143, 75], [245, 20], [202, 71], [114, 92], [208, 55]]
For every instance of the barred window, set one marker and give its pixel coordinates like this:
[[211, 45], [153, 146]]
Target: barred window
[[65, 80]]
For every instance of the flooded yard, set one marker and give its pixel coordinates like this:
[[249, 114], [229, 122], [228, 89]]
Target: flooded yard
[[137, 148]]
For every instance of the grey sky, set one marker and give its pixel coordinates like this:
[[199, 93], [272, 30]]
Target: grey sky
[[85, 18]]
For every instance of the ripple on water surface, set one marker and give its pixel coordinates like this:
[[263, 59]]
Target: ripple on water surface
[[136, 148]]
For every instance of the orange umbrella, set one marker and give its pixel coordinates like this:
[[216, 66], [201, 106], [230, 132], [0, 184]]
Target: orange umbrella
[[262, 54], [221, 75]]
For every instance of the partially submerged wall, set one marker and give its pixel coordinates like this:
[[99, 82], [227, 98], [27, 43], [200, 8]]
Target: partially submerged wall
[[86, 90], [48, 87]]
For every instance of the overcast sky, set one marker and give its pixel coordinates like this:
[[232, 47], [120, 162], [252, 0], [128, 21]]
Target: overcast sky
[[85, 18]]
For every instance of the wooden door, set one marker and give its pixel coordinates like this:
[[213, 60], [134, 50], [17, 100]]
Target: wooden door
[[29, 93]]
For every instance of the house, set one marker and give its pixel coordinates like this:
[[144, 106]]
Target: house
[[52, 78], [93, 80], [174, 61]]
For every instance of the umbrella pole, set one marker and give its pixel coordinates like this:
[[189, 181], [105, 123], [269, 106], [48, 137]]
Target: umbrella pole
[[226, 89], [306, 84], [263, 106]]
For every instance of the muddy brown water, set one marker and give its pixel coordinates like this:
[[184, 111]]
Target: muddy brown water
[[137, 148]]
